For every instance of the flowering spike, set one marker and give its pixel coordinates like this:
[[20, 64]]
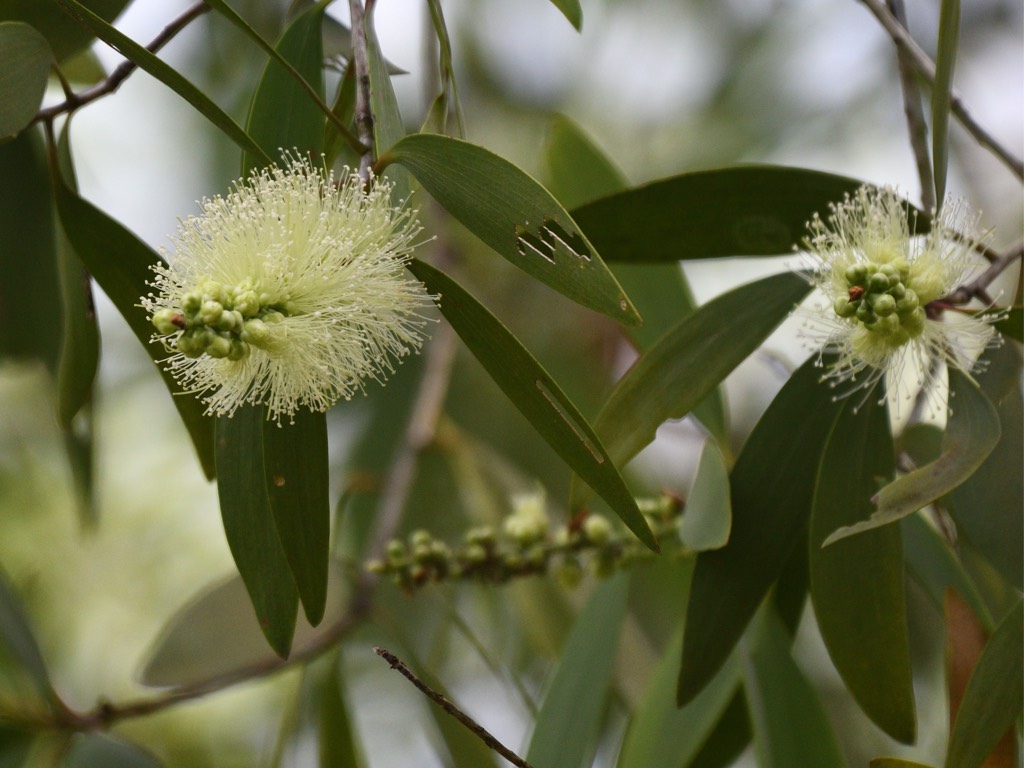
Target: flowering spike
[[883, 316], [289, 292]]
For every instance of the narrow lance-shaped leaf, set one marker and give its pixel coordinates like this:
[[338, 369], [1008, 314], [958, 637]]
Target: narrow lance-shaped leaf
[[25, 61], [569, 720], [514, 215], [942, 91], [690, 361], [772, 488], [282, 115], [994, 695], [971, 433], [752, 210], [120, 264], [857, 585], [535, 394], [388, 128], [572, 12], [65, 35], [250, 527], [707, 518], [165, 74], [790, 725]]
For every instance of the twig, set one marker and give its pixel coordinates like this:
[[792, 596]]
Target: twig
[[113, 81], [478, 730], [977, 288], [363, 111], [926, 68], [916, 125]]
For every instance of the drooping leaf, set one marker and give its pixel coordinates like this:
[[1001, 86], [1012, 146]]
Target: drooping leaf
[[282, 115], [790, 726], [297, 478], [569, 720], [65, 36], [751, 210], [989, 506], [535, 394], [448, 99], [572, 11], [707, 517], [120, 263], [388, 127], [730, 737], [772, 488], [661, 735], [18, 643], [515, 216], [971, 433], [994, 696], [96, 750], [250, 527], [690, 361], [25, 60], [942, 91], [216, 636], [164, 73], [857, 585]]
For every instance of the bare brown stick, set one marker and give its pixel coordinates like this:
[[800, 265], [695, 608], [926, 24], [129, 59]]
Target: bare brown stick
[[446, 704], [978, 288], [113, 81], [363, 111], [926, 68], [916, 125]]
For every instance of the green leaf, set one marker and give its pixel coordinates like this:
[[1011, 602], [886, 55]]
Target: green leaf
[[18, 643], [535, 394], [772, 488], [1013, 324], [66, 36], [216, 636], [282, 114], [572, 11], [707, 517], [96, 750], [994, 695], [857, 585], [577, 171], [751, 210], [942, 91], [250, 527], [729, 738], [80, 344], [120, 263], [25, 60], [569, 720], [165, 74], [971, 433], [388, 128], [336, 733], [790, 726], [515, 216], [662, 735], [297, 477], [987, 507], [690, 361]]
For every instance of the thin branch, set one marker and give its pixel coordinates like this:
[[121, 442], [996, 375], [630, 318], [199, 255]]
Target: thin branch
[[363, 111], [926, 68], [478, 730], [113, 81], [978, 288], [916, 125]]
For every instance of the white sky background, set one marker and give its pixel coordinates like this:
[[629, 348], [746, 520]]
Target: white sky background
[[631, 79]]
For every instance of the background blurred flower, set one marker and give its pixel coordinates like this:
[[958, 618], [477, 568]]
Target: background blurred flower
[[289, 292], [884, 285]]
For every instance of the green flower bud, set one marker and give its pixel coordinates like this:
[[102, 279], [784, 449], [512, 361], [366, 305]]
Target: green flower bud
[[884, 305], [219, 347], [865, 314], [908, 303], [475, 554], [191, 346], [913, 323], [889, 271], [898, 291], [420, 538], [878, 283], [190, 304], [844, 307], [597, 529], [856, 274], [168, 321], [230, 320], [214, 291], [248, 303], [210, 312], [396, 551], [239, 350], [255, 332]]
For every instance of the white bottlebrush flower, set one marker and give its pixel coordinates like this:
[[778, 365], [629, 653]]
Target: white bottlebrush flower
[[884, 287], [289, 292]]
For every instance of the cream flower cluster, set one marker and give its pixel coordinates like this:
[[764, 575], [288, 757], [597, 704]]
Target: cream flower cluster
[[884, 286], [289, 292]]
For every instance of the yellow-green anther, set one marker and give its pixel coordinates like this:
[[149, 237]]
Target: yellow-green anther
[[884, 305]]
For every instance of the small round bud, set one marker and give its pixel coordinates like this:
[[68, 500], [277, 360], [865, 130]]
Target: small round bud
[[230, 320], [884, 305], [865, 314], [190, 303], [214, 291], [421, 538], [190, 346], [247, 303], [210, 312], [844, 307], [878, 282], [255, 332], [396, 550], [856, 274], [239, 350], [897, 291], [474, 554], [913, 323], [908, 303], [597, 529], [168, 321], [889, 271], [219, 347]]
